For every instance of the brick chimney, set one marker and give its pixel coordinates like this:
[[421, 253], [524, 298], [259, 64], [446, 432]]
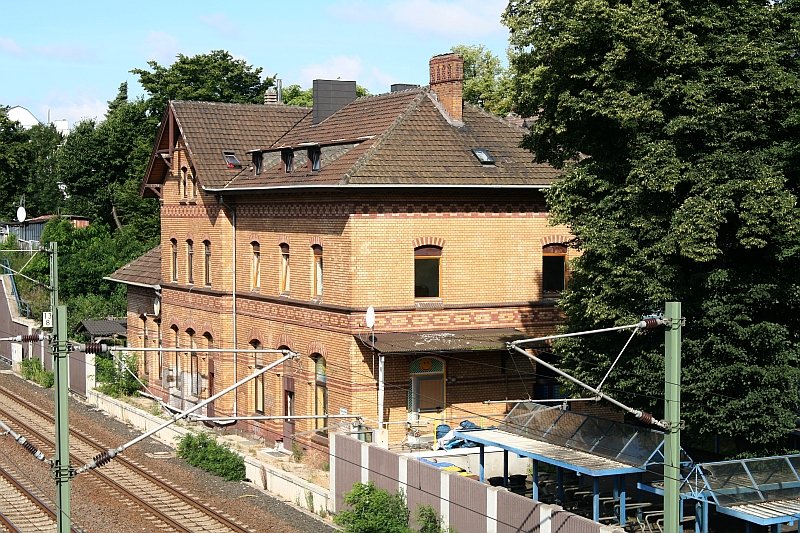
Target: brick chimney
[[447, 80]]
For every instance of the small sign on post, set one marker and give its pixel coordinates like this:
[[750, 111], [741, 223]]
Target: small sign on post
[[47, 319]]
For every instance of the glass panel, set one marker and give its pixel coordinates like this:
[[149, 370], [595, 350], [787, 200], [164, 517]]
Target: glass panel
[[259, 392], [426, 278], [622, 442], [553, 273], [730, 483]]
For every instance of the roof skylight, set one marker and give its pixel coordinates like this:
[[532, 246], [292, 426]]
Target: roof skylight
[[483, 156], [230, 159]]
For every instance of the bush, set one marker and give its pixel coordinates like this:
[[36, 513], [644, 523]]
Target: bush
[[116, 378], [203, 451], [429, 521], [373, 510], [33, 370]]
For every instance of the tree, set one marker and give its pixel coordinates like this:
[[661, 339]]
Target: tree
[[296, 95], [15, 155], [101, 166], [212, 77], [486, 82], [42, 192], [676, 125]]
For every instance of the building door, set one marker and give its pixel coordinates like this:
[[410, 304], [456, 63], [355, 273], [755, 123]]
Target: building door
[[288, 410]]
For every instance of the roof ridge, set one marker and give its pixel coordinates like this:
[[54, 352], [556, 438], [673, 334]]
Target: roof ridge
[[413, 105], [496, 118]]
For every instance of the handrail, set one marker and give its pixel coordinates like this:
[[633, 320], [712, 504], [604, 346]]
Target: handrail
[[22, 306]]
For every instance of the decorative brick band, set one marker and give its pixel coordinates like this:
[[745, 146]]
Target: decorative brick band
[[315, 241], [283, 239], [428, 241]]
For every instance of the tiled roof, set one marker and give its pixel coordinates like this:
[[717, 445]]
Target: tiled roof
[[403, 139], [103, 328], [143, 271], [210, 127]]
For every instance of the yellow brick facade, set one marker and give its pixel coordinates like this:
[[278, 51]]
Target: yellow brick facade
[[491, 241]]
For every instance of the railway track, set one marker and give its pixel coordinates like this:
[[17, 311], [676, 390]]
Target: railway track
[[22, 508], [165, 506]]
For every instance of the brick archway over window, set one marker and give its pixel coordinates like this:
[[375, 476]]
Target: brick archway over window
[[284, 340], [429, 241], [256, 335], [317, 347], [315, 241], [555, 239]]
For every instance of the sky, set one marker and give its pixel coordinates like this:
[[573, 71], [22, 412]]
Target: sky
[[66, 60]]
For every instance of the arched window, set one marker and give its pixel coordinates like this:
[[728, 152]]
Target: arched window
[[194, 364], [176, 343], [145, 355], [159, 342], [427, 385], [318, 269], [174, 262], [255, 266], [208, 343], [183, 185], [554, 269], [427, 271], [193, 183], [207, 262], [190, 260], [285, 272], [258, 392], [320, 393]]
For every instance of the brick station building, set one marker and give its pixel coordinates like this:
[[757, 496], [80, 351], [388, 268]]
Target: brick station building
[[281, 226]]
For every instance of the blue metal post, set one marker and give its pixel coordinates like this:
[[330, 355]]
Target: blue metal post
[[535, 488], [595, 499], [623, 516]]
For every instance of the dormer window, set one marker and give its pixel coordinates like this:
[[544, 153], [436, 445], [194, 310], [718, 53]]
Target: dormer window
[[483, 156], [287, 156], [230, 159], [315, 156], [258, 160]]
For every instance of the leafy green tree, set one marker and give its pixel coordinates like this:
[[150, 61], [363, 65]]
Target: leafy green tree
[[373, 510], [486, 82], [212, 77], [15, 156], [676, 124], [43, 195], [101, 164], [295, 95]]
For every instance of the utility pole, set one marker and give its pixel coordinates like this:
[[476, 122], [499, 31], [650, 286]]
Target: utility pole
[[61, 470], [672, 416]]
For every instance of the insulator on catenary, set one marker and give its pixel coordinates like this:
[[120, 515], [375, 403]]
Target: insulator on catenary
[[31, 338], [103, 458], [31, 448], [652, 323], [94, 347], [645, 417]]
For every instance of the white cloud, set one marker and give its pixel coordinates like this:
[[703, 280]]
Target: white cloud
[[73, 108], [71, 53], [11, 47], [463, 19], [220, 23], [466, 19], [339, 67], [161, 47]]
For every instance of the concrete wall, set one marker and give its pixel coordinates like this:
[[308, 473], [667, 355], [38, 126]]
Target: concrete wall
[[467, 505]]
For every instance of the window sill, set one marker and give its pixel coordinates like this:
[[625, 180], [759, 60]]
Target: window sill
[[429, 303]]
